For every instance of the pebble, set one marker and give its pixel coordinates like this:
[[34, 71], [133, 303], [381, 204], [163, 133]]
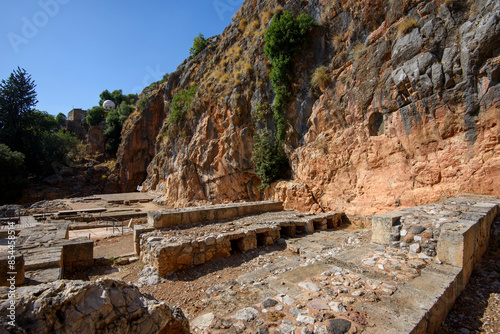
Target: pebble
[[203, 321], [358, 293], [309, 286], [296, 312], [246, 314], [337, 307], [285, 299], [343, 290], [305, 319], [306, 330], [339, 326], [279, 308], [418, 230], [348, 300], [287, 327], [321, 329], [269, 303], [318, 304], [414, 248]]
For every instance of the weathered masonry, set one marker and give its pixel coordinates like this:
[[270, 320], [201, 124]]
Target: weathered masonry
[[194, 236], [455, 234], [44, 254]]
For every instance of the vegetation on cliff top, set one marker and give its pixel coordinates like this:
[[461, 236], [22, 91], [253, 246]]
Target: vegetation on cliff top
[[199, 44]]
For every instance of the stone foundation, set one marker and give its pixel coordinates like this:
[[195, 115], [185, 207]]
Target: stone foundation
[[170, 250]]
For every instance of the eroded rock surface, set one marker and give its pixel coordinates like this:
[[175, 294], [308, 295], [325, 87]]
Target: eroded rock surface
[[408, 117], [103, 306]]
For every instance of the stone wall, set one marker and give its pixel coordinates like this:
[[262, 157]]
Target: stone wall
[[171, 250], [174, 217]]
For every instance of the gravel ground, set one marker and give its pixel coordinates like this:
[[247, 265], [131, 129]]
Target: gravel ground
[[477, 310]]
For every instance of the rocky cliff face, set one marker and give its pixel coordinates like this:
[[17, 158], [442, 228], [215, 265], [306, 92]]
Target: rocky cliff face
[[409, 114]]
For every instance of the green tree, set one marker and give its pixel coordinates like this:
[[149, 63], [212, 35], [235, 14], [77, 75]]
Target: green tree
[[199, 44], [117, 97], [95, 115], [13, 177], [114, 124], [269, 159], [61, 120], [17, 99]]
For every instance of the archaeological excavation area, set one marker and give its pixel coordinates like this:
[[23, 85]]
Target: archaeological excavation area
[[398, 272]]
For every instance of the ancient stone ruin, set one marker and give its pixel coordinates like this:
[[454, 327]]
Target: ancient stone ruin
[[399, 272]]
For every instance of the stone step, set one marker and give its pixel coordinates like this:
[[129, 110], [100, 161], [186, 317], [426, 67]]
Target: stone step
[[43, 258], [43, 275]]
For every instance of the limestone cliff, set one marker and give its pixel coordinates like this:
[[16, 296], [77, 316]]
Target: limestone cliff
[[410, 112], [103, 306]]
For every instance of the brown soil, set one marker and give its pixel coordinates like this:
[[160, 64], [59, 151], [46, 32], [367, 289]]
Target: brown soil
[[186, 288]]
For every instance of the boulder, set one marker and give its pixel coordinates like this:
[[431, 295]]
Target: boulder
[[407, 46], [103, 306]]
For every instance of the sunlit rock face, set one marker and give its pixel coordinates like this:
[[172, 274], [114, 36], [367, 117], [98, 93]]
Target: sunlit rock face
[[410, 113]]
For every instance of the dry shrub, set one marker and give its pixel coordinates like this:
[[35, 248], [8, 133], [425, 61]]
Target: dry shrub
[[321, 77], [407, 25], [242, 25]]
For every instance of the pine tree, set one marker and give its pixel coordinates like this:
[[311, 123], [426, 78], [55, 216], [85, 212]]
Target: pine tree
[[17, 99]]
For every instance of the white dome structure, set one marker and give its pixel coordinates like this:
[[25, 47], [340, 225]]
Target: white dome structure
[[108, 105]]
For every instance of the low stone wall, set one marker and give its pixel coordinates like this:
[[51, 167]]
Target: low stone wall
[[173, 250], [175, 217]]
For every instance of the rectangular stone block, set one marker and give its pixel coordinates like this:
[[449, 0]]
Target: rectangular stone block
[[457, 245], [77, 254], [382, 227], [138, 230], [6, 269]]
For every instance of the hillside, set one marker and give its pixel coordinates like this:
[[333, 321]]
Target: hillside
[[407, 110]]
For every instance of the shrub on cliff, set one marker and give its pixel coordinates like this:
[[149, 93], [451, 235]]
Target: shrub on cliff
[[181, 103], [320, 78], [283, 38], [199, 44], [269, 159], [407, 25]]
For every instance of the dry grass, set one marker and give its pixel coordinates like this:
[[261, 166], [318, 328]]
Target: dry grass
[[338, 41], [254, 26], [407, 25], [242, 25], [266, 17], [321, 78], [358, 50]]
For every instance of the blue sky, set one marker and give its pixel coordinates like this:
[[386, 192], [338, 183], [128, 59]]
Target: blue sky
[[75, 49]]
